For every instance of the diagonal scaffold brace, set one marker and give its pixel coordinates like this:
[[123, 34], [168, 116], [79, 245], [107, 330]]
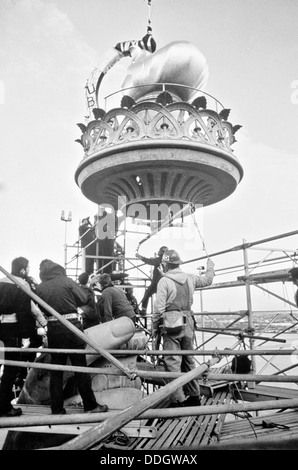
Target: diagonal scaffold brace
[[131, 374], [98, 433]]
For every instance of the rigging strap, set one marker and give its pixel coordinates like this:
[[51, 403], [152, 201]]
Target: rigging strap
[[192, 211]]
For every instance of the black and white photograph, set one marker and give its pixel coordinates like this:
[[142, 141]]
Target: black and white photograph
[[149, 234]]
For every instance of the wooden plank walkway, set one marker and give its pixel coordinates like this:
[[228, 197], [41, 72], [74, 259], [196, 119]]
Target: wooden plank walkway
[[266, 392], [135, 428], [277, 427], [151, 434], [178, 433], [145, 434], [188, 432], [185, 433]]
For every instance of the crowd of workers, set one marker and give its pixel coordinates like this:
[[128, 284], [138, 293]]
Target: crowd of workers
[[89, 301]]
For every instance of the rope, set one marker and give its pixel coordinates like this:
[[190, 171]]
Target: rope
[[166, 223], [119, 438], [232, 388], [242, 340], [286, 295], [192, 211], [247, 416]]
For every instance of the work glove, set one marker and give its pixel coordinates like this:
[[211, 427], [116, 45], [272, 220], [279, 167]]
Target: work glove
[[210, 264], [25, 342], [42, 331]]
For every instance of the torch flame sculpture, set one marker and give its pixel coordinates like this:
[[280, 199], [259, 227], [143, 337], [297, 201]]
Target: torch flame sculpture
[[167, 141]]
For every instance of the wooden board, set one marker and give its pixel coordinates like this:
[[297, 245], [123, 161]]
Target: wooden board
[[189, 431], [249, 433], [133, 429]]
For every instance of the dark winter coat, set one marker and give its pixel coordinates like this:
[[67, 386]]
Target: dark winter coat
[[156, 262], [62, 293], [14, 300], [114, 304]]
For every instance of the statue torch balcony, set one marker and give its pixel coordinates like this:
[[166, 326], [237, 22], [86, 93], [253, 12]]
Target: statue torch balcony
[[159, 149]]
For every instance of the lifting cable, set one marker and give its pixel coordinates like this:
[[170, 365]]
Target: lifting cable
[[164, 224], [149, 29], [191, 207], [192, 211]]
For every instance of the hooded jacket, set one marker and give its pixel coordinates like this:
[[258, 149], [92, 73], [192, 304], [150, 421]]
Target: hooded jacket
[[62, 293], [167, 291]]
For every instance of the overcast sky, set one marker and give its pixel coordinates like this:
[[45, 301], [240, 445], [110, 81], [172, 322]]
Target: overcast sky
[[48, 50]]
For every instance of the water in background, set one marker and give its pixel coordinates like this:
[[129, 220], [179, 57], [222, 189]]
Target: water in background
[[276, 363]]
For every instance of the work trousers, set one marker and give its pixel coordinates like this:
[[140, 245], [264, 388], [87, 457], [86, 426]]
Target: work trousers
[[35, 342], [148, 293], [9, 337], [60, 337], [180, 342]]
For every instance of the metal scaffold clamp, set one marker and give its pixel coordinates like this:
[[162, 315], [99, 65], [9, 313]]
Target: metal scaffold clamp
[[132, 373], [215, 355], [250, 331], [205, 376], [241, 336]]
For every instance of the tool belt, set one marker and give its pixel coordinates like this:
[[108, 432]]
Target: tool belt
[[173, 322], [67, 316]]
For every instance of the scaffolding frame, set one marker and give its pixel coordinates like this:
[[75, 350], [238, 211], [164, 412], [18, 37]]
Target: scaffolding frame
[[249, 279]]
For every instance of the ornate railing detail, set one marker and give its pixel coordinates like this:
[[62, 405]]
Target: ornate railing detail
[[149, 120]]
